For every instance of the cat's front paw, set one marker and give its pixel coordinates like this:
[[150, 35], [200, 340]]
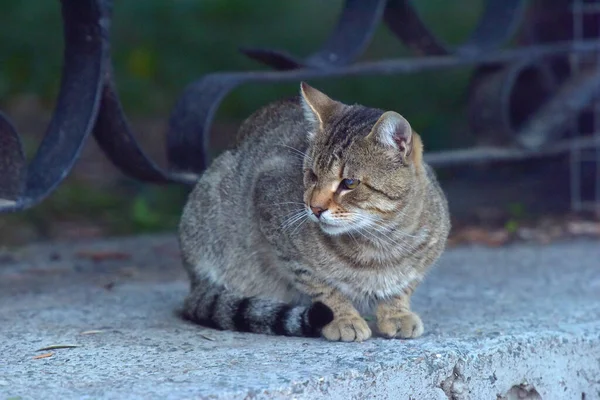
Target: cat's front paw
[[348, 328], [404, 324]]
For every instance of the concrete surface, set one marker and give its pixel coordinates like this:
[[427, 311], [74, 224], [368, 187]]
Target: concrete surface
[[509, 323]]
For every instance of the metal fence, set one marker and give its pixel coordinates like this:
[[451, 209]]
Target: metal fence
[[537, 97]]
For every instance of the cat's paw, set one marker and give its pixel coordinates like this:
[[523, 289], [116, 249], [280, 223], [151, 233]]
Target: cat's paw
[[348, 328], [404, 324]]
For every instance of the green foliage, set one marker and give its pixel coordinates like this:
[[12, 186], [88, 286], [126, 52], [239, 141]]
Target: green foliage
[[156, 208], [517, 210], [517, 213], [512, 226]]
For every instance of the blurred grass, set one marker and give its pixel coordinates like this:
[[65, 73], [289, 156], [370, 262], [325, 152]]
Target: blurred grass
[[159, 46]]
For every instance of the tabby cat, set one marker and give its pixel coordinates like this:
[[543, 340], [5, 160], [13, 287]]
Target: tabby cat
[[322, 212]]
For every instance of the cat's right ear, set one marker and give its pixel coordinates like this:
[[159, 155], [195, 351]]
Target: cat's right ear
[[393, 131], [317, 106]]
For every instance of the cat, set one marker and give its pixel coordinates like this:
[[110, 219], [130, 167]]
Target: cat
[[322, 212]]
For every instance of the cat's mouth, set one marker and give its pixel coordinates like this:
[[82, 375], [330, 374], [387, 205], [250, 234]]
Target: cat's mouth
[[332, 226]]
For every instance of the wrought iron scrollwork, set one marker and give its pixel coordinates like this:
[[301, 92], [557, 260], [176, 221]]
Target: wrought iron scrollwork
[[85, 61], [351, 36], [497, 24], [88, 101]]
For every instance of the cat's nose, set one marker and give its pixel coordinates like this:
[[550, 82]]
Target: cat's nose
[[317, 210]]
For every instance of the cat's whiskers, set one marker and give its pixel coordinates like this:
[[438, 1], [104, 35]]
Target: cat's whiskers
[[378, 235], [363, 235], [289, 202], [299, 225], [382, 227], [390, 228], [353, 238], [387, 242], [402, 242], [291, 218], [376, 240], [403, 237], [298, 157], [358, 219], [354, 216], [294, 211], [292, 223], [386, 230], [298, 161], [300, 152], [297, 154]]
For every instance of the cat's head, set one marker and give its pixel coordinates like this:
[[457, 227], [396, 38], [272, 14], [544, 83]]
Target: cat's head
[[361, 165]]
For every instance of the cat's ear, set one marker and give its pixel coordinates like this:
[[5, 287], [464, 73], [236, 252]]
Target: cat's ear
[[318, 107], [393, 131]]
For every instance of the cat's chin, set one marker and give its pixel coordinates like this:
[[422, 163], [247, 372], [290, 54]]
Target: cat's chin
[[334, 230]]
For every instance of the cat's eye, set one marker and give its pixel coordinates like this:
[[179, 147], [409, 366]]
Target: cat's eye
[[349, 184]]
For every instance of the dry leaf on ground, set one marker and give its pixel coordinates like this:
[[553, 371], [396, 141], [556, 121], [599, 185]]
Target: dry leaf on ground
[[477, 235], [91, 332], [45, 355], [203, 336]]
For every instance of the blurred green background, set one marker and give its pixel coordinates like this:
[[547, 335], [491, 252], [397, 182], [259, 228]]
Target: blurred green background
[[159, 46]]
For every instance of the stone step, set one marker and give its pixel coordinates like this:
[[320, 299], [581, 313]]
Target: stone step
[[508, 323]]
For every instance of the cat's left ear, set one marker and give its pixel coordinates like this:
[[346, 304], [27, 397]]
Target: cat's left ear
[[393, 131], [318, 107]]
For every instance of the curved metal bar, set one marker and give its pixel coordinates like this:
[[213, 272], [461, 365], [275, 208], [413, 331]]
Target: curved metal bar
[[550, 122], [12, 164], [114, 136], [86, 25], [496, 25], [191, 118], [502, 97], [352, 34]]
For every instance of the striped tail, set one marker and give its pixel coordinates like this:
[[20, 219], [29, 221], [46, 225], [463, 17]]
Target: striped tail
[[214, 307]]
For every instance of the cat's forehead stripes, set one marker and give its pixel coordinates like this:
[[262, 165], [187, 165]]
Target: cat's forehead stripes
[[342, 131]]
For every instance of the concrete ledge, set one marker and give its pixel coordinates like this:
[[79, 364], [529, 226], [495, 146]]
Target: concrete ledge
[[500, 323]]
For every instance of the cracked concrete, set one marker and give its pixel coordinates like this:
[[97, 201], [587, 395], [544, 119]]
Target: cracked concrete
[[510, 323]]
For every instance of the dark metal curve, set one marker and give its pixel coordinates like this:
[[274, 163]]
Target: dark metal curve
[[191, 118], [498, 105], [114, 136], [12, 164], [496, 25], [353, 32], [86, 27]]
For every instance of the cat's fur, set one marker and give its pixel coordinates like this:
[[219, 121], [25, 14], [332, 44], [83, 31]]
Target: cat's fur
[[260, 260]]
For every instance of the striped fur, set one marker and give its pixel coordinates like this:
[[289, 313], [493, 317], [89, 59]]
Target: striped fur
[[214, 307]]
